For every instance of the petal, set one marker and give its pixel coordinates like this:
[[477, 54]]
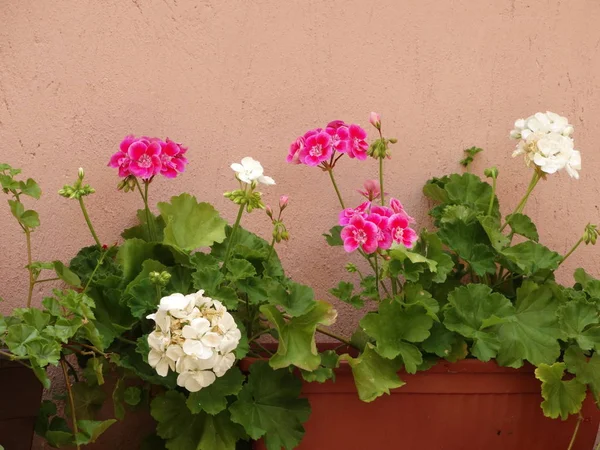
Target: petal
[[154, 149], [162, 368], [126, 142], [266, 180], [236, 167], [350, 245], [136, 150]]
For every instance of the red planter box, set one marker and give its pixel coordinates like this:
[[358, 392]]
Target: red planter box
[[469, 405]]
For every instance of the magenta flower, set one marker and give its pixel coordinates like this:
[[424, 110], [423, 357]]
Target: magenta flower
[[357, 146], [400, 232], [172, 159], [317, 148], [371, 190], [360, 233], [145, 158], [340, 134], [382, 211], [384, 236], [121, 158], [397, 207], [295, 149], [347, 214]]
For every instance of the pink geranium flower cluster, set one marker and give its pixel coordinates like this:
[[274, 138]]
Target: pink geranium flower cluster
[[373, 227], [146, 157], [319, 145]]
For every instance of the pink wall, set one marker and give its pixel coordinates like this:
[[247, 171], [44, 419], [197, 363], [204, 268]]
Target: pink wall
[[235, 78]]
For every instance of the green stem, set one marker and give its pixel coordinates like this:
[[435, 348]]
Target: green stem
[[268, 352], [571, 251], [11, 356], [234, 229], [394, 286], [259, 334], [521, 206], [89, 222], [149, 221], [29, 261], [127, 341], [579, 420], [46, 280], [336, 336], [489, 213], [71, 400], [381, 181], [335, 186], [98, 264], [270, 250], [377, 275]]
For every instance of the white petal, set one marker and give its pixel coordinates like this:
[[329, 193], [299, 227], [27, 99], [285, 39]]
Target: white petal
[[224, 364], [154, 358], [236, 167], [227, 322], [173, 301], [211, 339], [174, 352], [266, 180], [197, 349], [162, 368]]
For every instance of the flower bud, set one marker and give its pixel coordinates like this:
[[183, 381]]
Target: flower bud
[[283, 201], [590, 235], [80, 173], [491, 172], [285, 235], [351, 268], [269, 211], [375, 120], [392, 140]]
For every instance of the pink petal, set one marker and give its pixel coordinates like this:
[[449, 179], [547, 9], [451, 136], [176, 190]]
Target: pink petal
[[136, 150], [357, 132], [154, 149], [350, 245], [126, 142]]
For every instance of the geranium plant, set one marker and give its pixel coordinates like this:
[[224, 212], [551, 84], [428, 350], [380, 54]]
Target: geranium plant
[[164, 316], [480, 286]]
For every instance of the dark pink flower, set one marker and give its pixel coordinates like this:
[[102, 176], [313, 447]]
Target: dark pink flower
[[371, 190], [397, 207], [382, 211], [347, 214], [144, 156], [401, 233], [317, 148], [360, 233], [339, 133], [121, 158], [296, 147], [384, 236], [357, 145], [172, 159]]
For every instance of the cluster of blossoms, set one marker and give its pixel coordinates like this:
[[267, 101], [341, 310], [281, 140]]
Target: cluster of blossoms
[[373, 227], [194, 336], [146, 157], [545, 139], [251, 171], [319, 145]]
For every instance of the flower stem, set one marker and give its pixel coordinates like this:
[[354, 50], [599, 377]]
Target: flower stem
[[493, 196], [271, 249], [335, 336], [234, 229], [149, 221], [98, 264], [521, 206], [382, 194], [29, 261], [579, 420], [571, 251], [335, 186], [71, 400], [89, 222]]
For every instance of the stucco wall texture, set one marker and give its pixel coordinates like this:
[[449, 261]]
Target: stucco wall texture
[[236, 78]]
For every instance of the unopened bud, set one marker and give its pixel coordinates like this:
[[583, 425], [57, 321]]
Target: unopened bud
[[80, 173], [491, 172], [351, 268], [269, 211], [375, 120], [285, 235], [283, 201], [392, 140], [591, 233]]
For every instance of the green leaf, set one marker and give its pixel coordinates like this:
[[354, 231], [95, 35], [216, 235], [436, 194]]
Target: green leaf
[[297, 299], [588, 283], [41, 375], [491, 227], [132, 395], [90, 430], [30, 219], [191, 225], [118, 398], [47, 410], [441, 341], [18, 336], [86, 260], [586, 369], [208, 278], [522, 225], [435, 192], [65, 274], [213, 399], [430, 246], [268, 405], [30, 188], [531, 332], [64, 329], [561, 398], [238, 269], [401, 253], [44, 351], [297, 336], [141, 231], [33, 317], [395, 327], [16, 208], [470, 242], [131, 255], [88, 400], [468, 189], [334, 237], [329, 362], [531, 257], [373, 374], [183, 430], [468, 310], [579, 320], [344, 292], [469, 156], [140, 294], [414, 294]]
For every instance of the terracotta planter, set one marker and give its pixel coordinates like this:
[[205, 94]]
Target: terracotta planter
[[469, 405], [20, 398]]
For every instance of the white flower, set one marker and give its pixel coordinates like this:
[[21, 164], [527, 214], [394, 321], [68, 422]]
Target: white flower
[[195, 336], [543, 123], [251, 170], [555, 152]]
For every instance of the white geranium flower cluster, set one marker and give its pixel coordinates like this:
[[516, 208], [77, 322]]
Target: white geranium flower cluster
[[545, 140], [250, 170], [194, 336]]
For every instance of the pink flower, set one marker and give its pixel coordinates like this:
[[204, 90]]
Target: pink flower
[[360, 233], [172, 158], [371, 190], [283, 201], [401, 233], [295, 149], [397, 207], [121, 158], [317, 148], [375, 120], [145, 158], [382, 211], [339, 133], [384, 236], [347, 214], [357, 146]]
